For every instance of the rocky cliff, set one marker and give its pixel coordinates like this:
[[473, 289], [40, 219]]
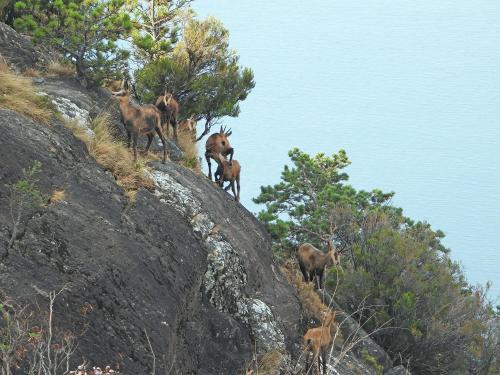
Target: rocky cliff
[[183, 265]]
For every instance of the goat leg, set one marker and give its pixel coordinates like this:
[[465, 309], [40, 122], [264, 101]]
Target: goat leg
[[134, 145], [168, 127], [218, 177], [207, 157], [150, 139], [238, 186], [174, 125], [162, 138], [129, 136], [324, 360], [304, 272], [234, 191]]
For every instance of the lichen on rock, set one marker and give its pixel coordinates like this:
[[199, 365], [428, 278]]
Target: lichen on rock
[[267, 334], [225, 277]]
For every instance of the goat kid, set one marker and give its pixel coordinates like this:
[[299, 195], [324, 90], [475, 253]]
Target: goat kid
[[189, 126], [228, 172], [317, 341], [218, 143], [312, 262], [169, 107], [140, 120]]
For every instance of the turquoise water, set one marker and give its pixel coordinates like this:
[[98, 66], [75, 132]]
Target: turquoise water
[[411, 90]]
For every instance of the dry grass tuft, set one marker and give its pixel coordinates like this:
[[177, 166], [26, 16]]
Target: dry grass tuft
[[307, 295], [57, 196], [30, 72], [190, 148], [4, 67], [17, 93], [115, 157], [270, 363], [60, 68]]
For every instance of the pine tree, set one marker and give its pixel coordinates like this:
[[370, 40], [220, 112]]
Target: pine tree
[[86, 32], [202, 72]]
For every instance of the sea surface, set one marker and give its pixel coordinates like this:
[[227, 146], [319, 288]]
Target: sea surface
[[410, 89]]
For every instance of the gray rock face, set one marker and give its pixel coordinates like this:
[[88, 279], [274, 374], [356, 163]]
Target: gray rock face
[[187, 263], [184, 263], [18, 51], [226, 278], [398, 370]]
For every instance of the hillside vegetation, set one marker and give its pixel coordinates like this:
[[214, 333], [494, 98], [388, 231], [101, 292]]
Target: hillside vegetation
[[433, 321], [150, 267]]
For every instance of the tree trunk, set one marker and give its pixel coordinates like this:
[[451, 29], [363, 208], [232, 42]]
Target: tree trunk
[[207, 129]]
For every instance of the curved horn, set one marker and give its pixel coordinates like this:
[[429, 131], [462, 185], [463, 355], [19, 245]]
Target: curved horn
[[229, 132]]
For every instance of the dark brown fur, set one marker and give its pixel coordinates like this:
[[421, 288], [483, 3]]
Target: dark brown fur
[[169, 108], [313, 262], [218, 143], [140, 120]]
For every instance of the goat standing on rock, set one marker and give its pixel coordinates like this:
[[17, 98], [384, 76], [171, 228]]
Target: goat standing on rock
[[312, 262], [317, 341], [188, 126], [170, 108], [140, 120], [218, 144], [228, 171]]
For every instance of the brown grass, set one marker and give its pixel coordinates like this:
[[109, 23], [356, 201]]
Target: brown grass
[[60, 68], [4, 67], [310, 300], [17, 93], [57, 196], [190, 149], [269, 363], [30, 72], [307, 295], [115, 157]]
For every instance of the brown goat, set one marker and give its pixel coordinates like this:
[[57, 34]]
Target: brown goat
[[312, 262], [317, 341], [228, 171], [189, 126], [169, 107], [140, 120], [113, 85], [218, 143]]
